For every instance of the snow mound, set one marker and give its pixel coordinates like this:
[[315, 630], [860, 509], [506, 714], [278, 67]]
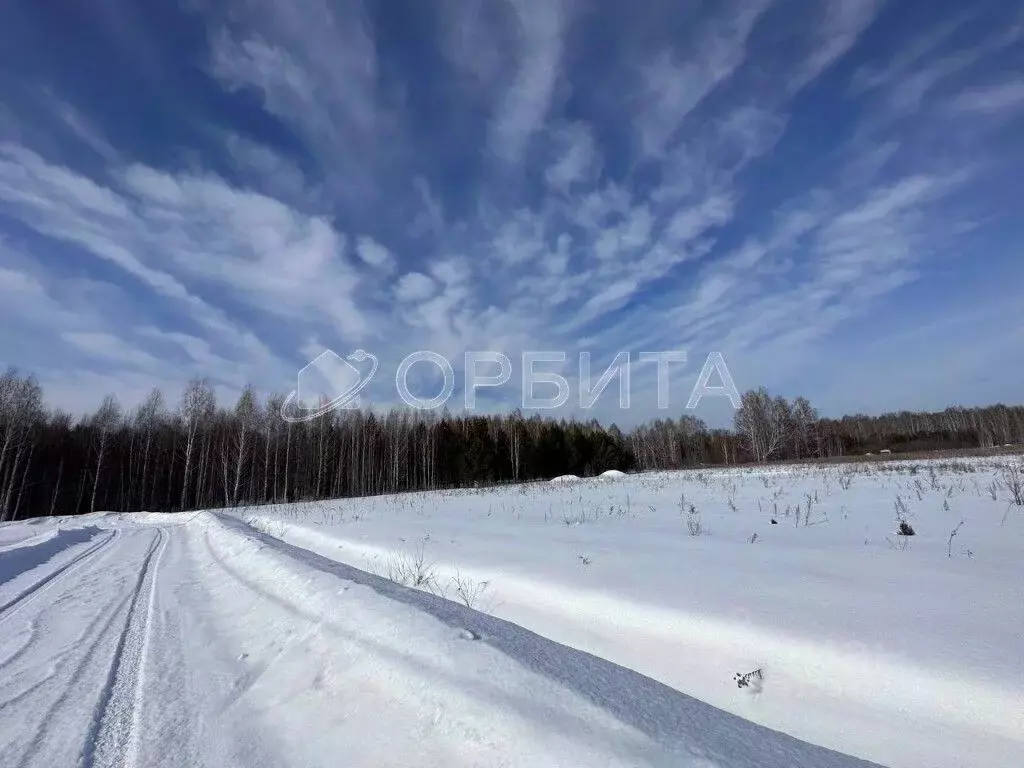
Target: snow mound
[[565, 479], [612, 474]]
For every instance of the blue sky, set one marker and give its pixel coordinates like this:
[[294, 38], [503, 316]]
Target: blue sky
[[827, 193]]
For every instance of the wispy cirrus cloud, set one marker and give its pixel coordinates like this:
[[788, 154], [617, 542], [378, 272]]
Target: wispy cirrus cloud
[[760, 176], [994, 98], [934, 60], [675, 82], [522, 109]]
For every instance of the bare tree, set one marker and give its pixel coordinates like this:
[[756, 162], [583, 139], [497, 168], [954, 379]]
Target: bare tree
[[763, 422], [246, 421], [103, 422], [197, 407], [200, 455], [148, 418], [21, 410], [271, 427], [60, 426], [805, 425], [513, 426]]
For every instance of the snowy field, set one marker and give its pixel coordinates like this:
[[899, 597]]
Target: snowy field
[[576, 623]]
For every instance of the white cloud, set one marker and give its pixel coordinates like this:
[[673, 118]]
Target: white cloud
[[270, 171], [108, 347], [375, 255], [872, 76], [450, 271], [919, 69], [579, 159], [637, 212], [169, 232], [857, 253], [274, 257], [520, 239], [633, 234], [687, 224], [477, 37], [414, 286], [315, 66], [524, 106], [843, 23], [992, 98], [84, 340], [673, 83], [82, 128]]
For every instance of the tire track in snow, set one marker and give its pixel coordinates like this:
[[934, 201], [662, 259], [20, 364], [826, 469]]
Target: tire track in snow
[[89, 637], [138, 697], [32, 632], [74, 682], [112, 739], [26, 596]]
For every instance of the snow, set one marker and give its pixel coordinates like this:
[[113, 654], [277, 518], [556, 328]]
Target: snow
[[565, 479], [612, 474], [193, 640], [21, 536], [902, 651], [571, 625]]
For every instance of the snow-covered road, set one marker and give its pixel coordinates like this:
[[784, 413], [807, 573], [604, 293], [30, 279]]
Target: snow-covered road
[[196, 641], [74, 635]]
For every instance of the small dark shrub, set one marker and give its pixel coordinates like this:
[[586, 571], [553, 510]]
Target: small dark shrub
[[906, 529]]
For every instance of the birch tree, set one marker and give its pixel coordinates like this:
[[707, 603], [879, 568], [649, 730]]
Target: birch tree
[[246, 421], [148, 417], [103, 423], [198, 404], [763, 423], [21, 410]]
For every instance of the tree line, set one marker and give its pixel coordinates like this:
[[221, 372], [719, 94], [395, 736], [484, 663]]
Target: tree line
[[197, 454]]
